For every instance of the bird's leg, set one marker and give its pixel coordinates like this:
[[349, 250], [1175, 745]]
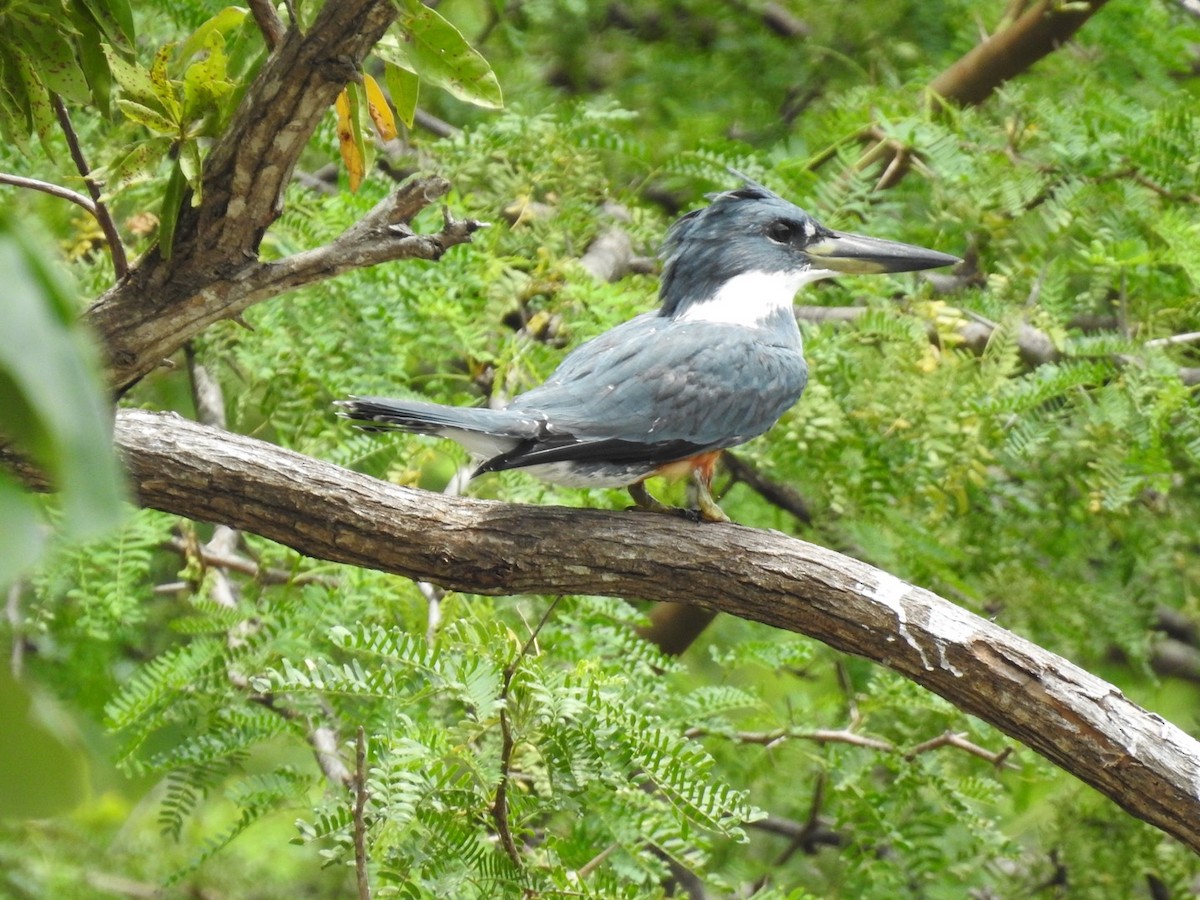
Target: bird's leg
[[705, 504], [644, 500]]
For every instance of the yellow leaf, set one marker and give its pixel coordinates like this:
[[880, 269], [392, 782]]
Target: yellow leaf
[[351, 153], [377, 106]]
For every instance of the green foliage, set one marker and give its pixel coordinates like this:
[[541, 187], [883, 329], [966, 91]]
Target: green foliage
[[53, 409], [426, 45], [1056, 495], [183, 99], [52, 49]]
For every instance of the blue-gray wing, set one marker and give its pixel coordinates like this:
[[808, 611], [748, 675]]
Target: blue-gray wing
[[656, 390]]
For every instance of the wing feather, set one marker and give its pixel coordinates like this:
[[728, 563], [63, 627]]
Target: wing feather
[[656, 390]]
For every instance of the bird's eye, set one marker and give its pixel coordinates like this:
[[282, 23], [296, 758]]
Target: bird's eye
[[780, 232]]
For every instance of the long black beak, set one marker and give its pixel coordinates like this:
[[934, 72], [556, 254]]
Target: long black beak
[[857, 254]]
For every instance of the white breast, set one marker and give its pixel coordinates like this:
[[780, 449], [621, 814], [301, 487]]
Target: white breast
[[751, 298]]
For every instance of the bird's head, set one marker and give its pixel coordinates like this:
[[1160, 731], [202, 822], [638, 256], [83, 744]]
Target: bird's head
[[742, 258]]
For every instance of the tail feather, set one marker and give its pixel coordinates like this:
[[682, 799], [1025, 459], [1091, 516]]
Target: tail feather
[[483, 431]]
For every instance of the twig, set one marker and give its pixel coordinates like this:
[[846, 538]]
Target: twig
[[46, 187], [808, 836], [115, 248], [323, 739], [1040, 29], [770, 739], [999, 759], [1190, 338], [434, 125], [500, 804], [594, 863], [360, 805], [235, 563]]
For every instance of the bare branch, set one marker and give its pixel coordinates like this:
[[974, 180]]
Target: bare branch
[[949, 739], [99, 209], [1037, 31], [1076, 720], [594, 863], [360, 825], [46, 187], [780, 735]]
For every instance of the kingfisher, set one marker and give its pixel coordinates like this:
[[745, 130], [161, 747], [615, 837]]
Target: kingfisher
[[665, 393]]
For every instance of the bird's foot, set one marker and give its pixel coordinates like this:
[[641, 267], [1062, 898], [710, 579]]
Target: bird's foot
[[701, 492], [707, 510]]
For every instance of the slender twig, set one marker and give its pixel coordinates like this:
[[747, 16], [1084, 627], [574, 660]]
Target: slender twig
[[1189, 338], [999, 759], [360, 805], [103, 216], [46, 187], [804, 836], [500, 805], [435, 126], [594, 863], [770, 739], [236, 563]]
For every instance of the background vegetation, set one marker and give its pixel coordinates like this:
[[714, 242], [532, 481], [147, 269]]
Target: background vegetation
[[1022, 437]]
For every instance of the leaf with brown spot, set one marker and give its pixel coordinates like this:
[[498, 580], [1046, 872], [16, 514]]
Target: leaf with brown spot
[[377, 106], [352, 150]]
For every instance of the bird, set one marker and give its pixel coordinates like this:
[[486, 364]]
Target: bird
[[716, 364]]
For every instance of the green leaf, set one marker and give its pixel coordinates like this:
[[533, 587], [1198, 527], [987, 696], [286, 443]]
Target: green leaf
[[133, 79], [163, 89], [40, 110], [56, 57], [136, 165], [53, 407], [14, 108], [113, 17], [224, 23], [422, 41], [191, 165], [206, 82], [92, 61], [168, 216], [405, 87], [24, 539], [144, 115]]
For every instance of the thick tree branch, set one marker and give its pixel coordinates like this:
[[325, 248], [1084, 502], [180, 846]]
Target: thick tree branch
[[168, 299], [1038, 31], [1076, 720]]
